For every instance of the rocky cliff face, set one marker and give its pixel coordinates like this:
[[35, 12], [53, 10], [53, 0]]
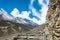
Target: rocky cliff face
[[53, 20]]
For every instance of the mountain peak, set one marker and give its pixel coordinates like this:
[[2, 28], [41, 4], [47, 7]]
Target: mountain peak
[[2, 10], [4, 15], [15, 19]]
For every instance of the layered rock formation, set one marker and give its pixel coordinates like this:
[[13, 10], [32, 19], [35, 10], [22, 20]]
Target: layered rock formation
[[53, 20]]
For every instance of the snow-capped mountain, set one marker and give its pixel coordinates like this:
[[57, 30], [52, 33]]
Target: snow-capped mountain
[[5, 17], [27, 22]]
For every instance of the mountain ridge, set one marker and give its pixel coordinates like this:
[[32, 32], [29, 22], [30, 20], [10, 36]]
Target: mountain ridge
[[4, 16]]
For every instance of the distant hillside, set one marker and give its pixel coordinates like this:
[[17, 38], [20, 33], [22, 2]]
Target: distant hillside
[[11, 27], [38, 31]]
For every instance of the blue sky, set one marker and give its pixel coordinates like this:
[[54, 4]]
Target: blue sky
[[34, 10], [9, 5]]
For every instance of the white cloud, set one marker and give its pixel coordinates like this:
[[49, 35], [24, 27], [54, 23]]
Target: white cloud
[[15, 12], [38, 21], [32, 2], [41, 15], [25, 14], [47, 2], [34, 12], [41, 2]]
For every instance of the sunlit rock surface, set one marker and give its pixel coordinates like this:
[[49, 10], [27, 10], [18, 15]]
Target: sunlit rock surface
[[53, 20]]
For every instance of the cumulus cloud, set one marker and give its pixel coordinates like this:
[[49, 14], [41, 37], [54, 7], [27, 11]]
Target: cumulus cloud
[[43, 11], [34, 12], [25, 14], [41, 2], [17, 13], [31, 2]]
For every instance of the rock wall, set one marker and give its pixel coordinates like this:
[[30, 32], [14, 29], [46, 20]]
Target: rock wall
[[53, 20]]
